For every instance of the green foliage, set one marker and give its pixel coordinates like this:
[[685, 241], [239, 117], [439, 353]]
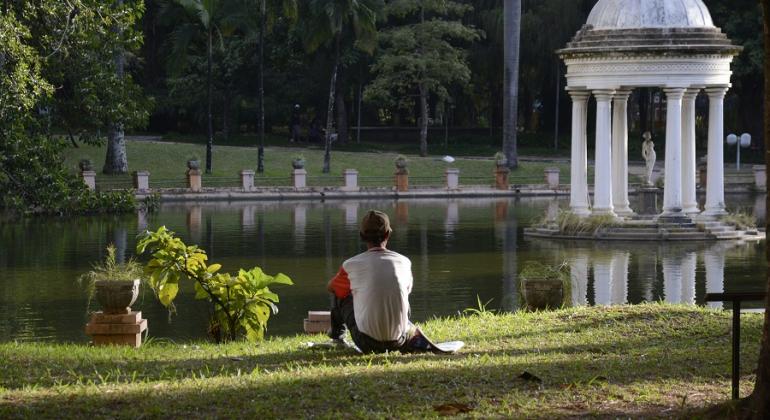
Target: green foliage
[[741, 220], [572, 224], [480, 309], [535, 270], [427, 50], [242, 303], [68, 45], [110, 270]]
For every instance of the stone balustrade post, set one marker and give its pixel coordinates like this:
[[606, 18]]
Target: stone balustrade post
[[760, 177], [351, 180], [247, 179], [142, 181], [452, 177], [299, 178], [194, 182], [552, 177], [89, 178], [402, 180]]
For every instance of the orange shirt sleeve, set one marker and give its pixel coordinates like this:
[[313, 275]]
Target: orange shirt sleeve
[[340, 284]]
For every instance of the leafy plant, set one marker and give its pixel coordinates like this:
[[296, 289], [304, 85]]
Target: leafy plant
[[110, 270], [480, 309], [242, 303], [535, 270], [741, 220]]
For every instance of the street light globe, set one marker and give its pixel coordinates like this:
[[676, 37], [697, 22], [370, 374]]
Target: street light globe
[[745, 140], [732, 139]]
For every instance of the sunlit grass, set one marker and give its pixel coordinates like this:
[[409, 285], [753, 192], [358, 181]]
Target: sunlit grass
[[648, 360]]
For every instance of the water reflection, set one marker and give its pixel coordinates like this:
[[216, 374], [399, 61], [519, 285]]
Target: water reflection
[[461, 251]]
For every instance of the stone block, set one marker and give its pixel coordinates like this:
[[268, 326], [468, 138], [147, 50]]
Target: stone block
[[247, 180], [313, 327], [142, 181], [351, 180], [760, 177], [133, 340], [452, 177], [100, 317], [324, 316], [115, 329], [552, 177], [299, 178], [89, 178]]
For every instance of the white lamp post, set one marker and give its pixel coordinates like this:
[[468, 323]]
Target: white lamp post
[[743, 142]]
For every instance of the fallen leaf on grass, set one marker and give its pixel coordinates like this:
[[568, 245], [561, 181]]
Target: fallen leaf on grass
[[530, 377], [452, 409]]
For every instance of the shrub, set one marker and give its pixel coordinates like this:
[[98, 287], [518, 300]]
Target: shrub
[[242, 303]]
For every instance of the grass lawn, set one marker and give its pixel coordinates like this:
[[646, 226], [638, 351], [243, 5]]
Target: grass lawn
[[167, 162], [649, 360]]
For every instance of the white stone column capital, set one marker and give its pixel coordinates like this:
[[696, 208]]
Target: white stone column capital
[[717, 92], [675, 92], [621, 95], [604, 95], [691, 93], [579, 95]]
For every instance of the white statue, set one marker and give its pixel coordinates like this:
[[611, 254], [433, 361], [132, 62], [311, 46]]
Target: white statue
[[648, 153]]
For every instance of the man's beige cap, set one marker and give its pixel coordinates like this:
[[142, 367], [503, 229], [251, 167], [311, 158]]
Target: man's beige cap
[[375, 222]]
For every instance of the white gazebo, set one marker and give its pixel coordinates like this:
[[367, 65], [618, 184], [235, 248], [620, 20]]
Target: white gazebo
[[627, 44]]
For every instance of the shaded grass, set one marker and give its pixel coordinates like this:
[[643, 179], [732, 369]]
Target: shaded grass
[[648, 360], [167, 161]]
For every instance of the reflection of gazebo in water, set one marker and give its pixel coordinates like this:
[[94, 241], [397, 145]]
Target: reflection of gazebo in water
[[627, 44]]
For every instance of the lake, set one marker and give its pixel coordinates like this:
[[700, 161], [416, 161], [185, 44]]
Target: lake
[[462, 251]]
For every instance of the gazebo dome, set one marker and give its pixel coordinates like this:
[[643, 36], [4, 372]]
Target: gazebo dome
[[628, 14]]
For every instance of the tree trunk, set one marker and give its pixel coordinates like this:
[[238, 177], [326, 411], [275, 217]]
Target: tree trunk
[[330, 109], [116, 161], [261, 118], [512, 28], [210, 141], [423, 120], [342, 116], [760, 398]]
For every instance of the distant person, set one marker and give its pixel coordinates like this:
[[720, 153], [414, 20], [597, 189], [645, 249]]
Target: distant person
[[315, 133], [371, 293], [295, 124]]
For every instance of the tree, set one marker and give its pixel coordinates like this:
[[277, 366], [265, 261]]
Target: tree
[[330, 21], [512, 28], [760, 398], [116, 161], [422, 57], [205, 15]]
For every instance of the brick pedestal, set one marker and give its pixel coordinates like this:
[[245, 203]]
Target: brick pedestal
[[121, 330], [142, 181], [194, 180], [501, 178], [402, 180], [318, 322]]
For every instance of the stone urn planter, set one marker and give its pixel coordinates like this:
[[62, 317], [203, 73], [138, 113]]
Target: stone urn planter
[[85, 165], [193, 164], [298, 163], [544, 287], [116, 297], [401, 163]]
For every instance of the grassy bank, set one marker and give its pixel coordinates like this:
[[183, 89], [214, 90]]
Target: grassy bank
[[167, 161], [649, 360]]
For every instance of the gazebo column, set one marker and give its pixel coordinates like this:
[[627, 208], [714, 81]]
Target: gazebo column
[[672, 193], [603, 157], [715, 187], [689, 199], [620, 153], [579, 166]]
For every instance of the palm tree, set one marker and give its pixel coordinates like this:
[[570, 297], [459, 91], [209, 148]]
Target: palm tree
[[329, 21], [512, 28], [267, 15], [760, 398], [206, 14]]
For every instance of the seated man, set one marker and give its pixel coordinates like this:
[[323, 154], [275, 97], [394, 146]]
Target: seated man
[[371, 293]]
